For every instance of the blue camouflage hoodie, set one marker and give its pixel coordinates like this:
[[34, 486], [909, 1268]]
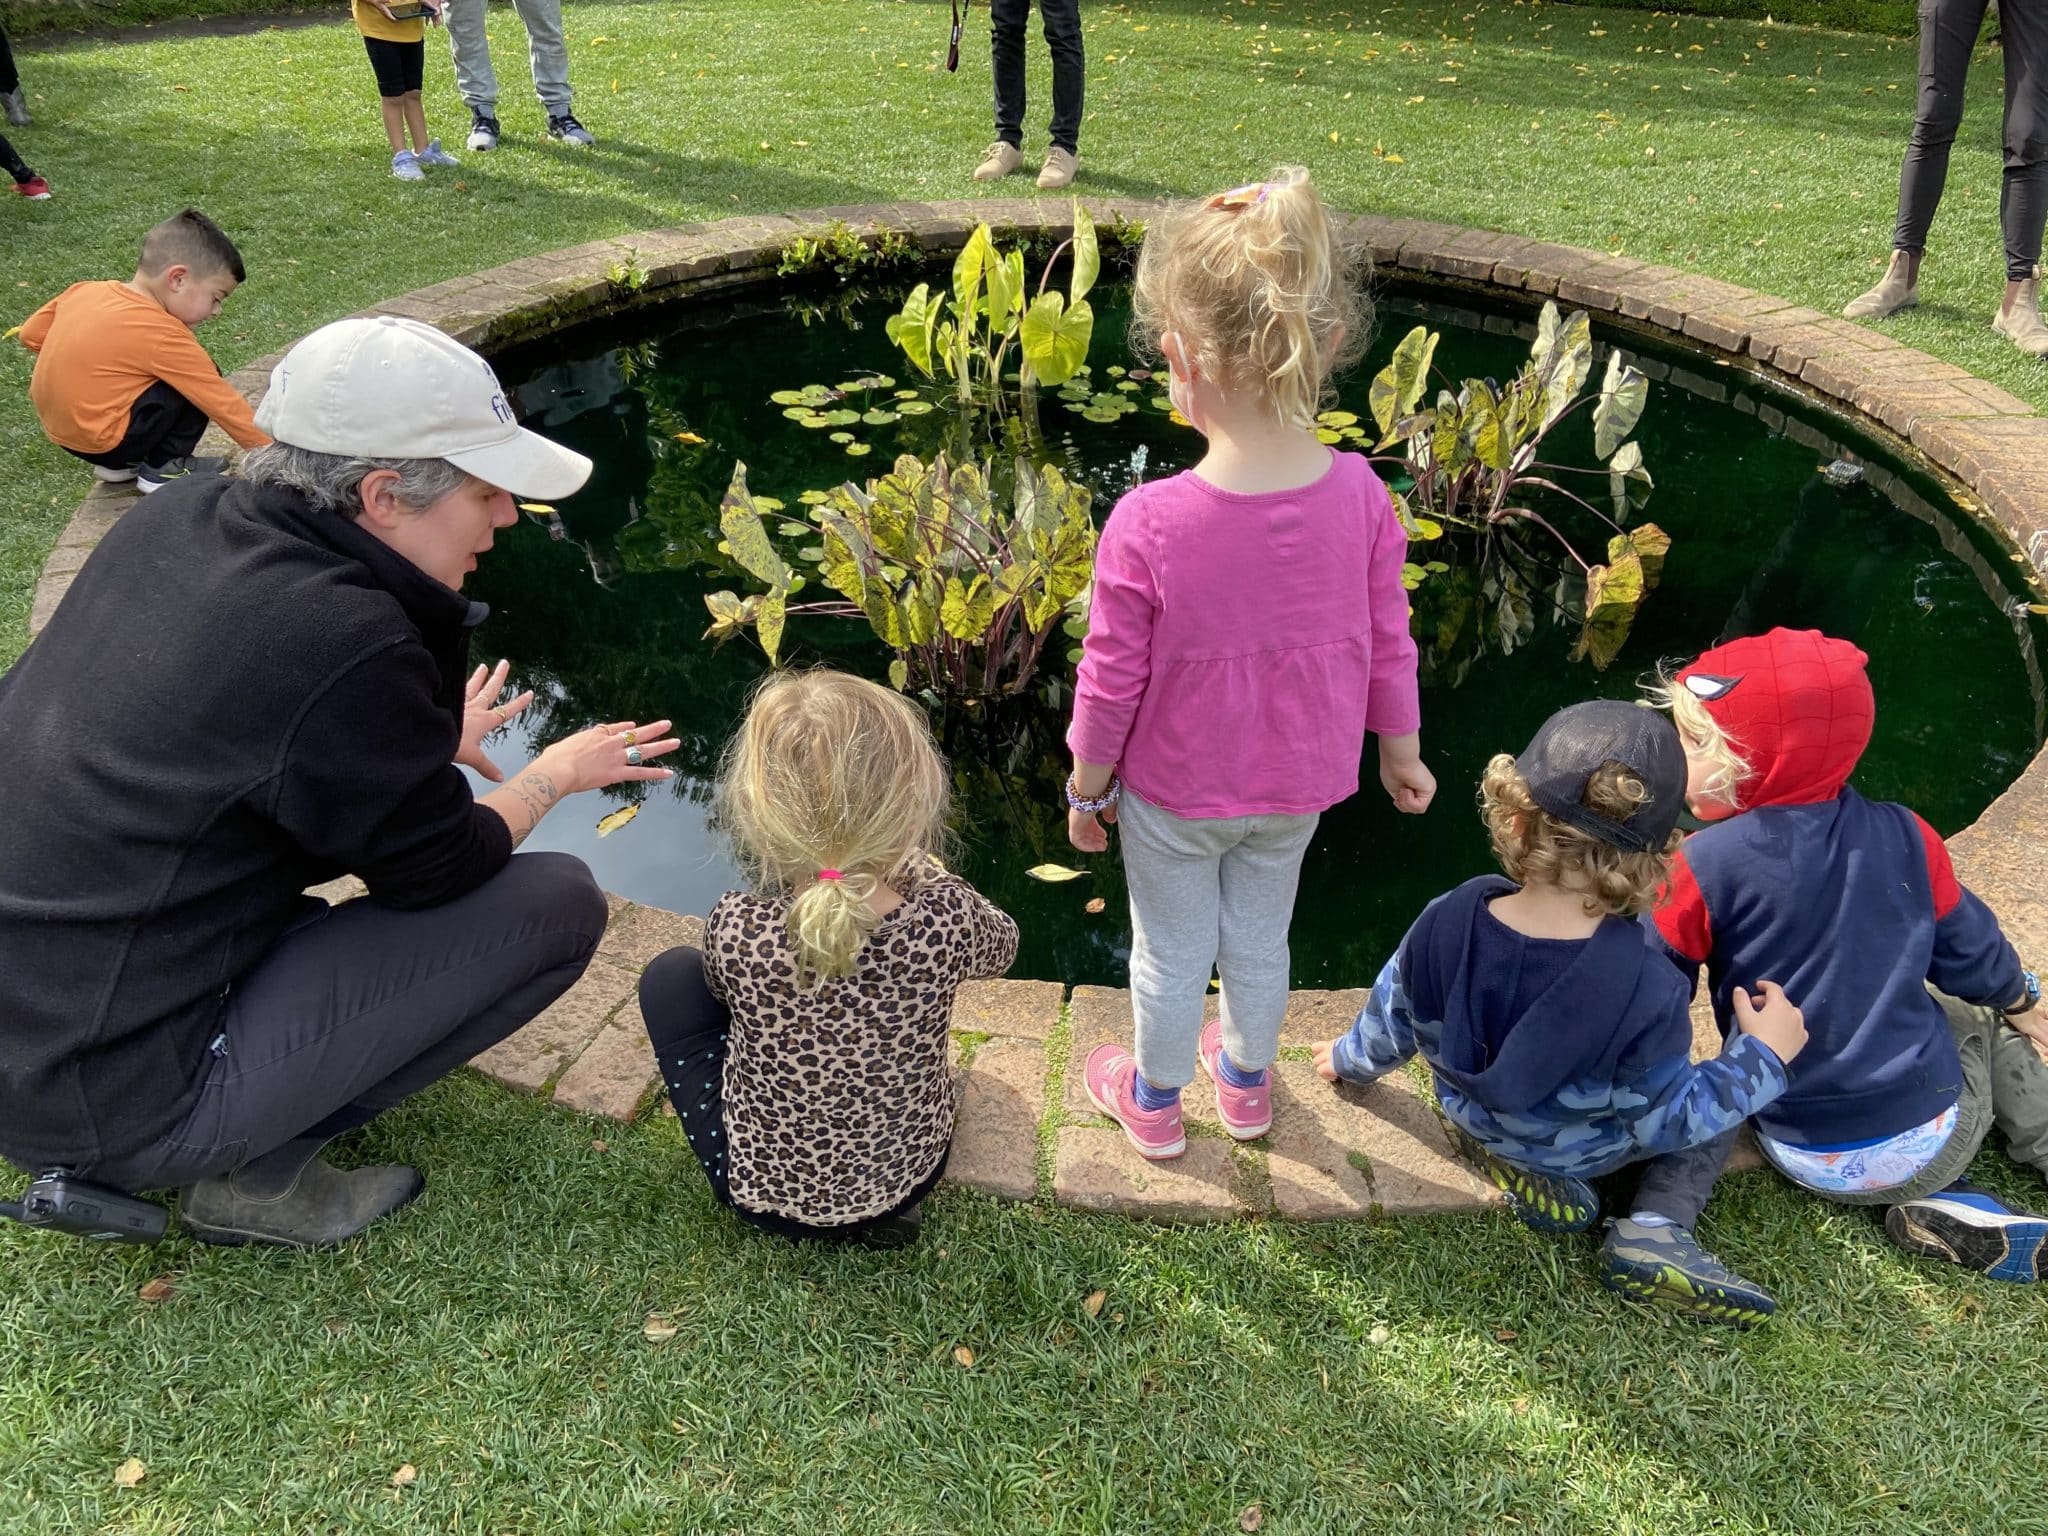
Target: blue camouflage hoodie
[[1565, 1056]]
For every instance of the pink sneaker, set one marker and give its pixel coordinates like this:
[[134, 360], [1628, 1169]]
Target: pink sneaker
[[1247, 1113], [1110, 1076]]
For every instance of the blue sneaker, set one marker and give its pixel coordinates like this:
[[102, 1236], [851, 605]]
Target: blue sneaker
[[1547, 1202], [405, 165], [1663, 1266], [434, 154], [1967, 1226]]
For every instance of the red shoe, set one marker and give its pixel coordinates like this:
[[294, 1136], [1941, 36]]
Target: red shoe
[[35, 189], [1110, 1077], [1247, 1113]]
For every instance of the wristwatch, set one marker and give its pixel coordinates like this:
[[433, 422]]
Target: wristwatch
[[2031, 998]]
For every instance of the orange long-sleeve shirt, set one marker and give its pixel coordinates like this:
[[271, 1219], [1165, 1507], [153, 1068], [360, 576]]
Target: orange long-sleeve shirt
[[100, 345]]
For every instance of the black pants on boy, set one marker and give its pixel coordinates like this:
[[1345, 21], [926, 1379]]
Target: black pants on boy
[[360, 1006], [12, 163], [1062, 22], [688, 1027], [1677, 1185], [1948, 36], [162, 425]]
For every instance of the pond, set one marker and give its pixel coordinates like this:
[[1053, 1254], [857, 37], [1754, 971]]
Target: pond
[[599, 604]]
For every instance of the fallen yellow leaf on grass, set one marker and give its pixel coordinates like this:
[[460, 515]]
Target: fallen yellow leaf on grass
[[657, 1329], [1053, 874], [963, 1357], [129, 1473], [404, 1475], [10, 333], [1250, 1518], [162, 1288], [607, 825], [1093, 1305]]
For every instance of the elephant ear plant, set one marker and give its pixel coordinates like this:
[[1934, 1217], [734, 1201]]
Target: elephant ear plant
[[964, 586], [1470, 460]]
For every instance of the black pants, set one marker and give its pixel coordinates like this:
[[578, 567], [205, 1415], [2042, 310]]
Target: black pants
[[13, 164], [10, 77], [1948, 35], [162, 425], [688, 1027], [400, 67], [1676, 1185], [359, 1006], [1062, 22]]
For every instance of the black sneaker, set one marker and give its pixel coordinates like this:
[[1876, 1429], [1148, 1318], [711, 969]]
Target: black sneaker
[[154, 477], [899, 1230], [483, 133], [569, 131]]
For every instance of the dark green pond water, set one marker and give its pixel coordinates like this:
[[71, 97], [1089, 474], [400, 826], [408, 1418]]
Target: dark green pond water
[[600, 609]]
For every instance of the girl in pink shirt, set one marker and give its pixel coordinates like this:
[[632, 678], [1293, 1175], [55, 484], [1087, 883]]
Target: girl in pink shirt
[[1248, 628]]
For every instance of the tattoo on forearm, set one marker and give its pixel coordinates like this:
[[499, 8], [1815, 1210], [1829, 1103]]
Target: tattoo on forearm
[[537, 792]]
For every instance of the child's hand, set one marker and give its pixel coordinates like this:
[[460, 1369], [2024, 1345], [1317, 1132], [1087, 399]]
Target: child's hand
[[2034, 1025], [1326, 1061], [1085, 832], [1409, 784], [1771, 1016]]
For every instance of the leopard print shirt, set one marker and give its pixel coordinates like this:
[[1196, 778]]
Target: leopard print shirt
[[839, 1102]]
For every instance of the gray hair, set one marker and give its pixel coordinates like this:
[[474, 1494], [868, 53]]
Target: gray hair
[[331, 481]]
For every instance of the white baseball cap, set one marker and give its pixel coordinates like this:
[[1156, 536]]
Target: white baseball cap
[[385, 387]]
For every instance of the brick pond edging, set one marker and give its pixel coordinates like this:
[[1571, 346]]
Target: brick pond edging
[[1026, 1129]]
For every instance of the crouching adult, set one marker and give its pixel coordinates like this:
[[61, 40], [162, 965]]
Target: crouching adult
[[254, 685]]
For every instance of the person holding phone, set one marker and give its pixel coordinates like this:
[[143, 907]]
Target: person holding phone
[[394, 35]]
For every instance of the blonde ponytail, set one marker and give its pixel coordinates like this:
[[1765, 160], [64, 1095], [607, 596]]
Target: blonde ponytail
[[1259, 290], [832, 789]]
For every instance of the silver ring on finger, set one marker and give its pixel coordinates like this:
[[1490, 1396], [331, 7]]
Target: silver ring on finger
[[632, 757]]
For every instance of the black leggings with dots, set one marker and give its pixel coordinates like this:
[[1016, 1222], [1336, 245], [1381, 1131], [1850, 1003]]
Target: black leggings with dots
[[689, 1027]]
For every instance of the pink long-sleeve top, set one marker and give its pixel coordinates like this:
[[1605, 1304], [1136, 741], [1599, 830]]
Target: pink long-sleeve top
[[1240, 646]]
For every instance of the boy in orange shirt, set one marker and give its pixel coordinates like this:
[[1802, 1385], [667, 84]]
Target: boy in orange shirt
[[121, 381]]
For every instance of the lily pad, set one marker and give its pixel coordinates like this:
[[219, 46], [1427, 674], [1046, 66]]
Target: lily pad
[[842, 437], [878, 417], [915, 408]]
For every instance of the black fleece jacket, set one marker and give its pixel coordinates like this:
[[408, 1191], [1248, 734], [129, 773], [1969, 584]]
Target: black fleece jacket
[[239, 697]]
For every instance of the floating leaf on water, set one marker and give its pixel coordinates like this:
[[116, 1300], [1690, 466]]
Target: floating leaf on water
[[404, 1476], [688, 437], [1329, 435], [535, 506], [816, 498], [1116, 370], [859, 450], [1100, 413], [129, 1473], [1095, 905], [915, 408], [840, 417], [1338, 418], [906, 394], [1177, 419], [1054, 873], [878, 417], [842, 437], [1127, 386], [658, 1329], [607, 825], [1093, 1304], [788, 397]]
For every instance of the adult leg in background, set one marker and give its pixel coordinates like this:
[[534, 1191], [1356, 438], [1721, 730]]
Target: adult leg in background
[[1948, 36], [2023, 195], [547, 53], [1061, 20], [470, 44], [352, 1011], [1006, 20]]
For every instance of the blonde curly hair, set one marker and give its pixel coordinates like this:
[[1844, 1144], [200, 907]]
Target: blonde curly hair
[[1264, 297], [832, 772], [1535, 848], [1703, 738]]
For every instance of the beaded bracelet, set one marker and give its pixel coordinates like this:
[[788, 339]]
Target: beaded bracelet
[[1103, 802]]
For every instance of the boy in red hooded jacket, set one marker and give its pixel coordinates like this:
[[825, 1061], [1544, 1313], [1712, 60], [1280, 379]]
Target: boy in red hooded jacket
[[1924, 1028]]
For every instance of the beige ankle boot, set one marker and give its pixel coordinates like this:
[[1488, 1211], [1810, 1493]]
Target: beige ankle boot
[[1895, 292], [2021, 325]]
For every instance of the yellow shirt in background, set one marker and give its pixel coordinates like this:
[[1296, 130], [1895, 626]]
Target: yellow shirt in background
[[372, 22]]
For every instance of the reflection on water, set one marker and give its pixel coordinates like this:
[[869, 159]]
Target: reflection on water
[[599, 604]]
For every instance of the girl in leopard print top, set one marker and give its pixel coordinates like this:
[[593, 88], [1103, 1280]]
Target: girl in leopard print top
[[805, 1045]]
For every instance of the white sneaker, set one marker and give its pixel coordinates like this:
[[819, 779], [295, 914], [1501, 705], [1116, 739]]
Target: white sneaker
[[434, 154], [405, 165], [107, 476], [483, 133]]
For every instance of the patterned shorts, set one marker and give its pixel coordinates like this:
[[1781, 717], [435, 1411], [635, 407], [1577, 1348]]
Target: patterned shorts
[[1881, 1165]]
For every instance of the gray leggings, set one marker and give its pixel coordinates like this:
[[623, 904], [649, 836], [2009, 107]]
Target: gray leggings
[[1210, 893], [1948, 35]]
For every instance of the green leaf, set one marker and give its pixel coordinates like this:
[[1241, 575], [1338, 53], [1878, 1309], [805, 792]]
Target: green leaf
[[878, 417], [1623, 394], [1339, 419], [1055, 336], [1396, 387], [729, 615], [769, 611], [1005, 294], [911, 327], [1087, 257], [899, 675], [914, 408], [968, 608], [969, 268], [1628, 482], [739, 521], [1650, 544]]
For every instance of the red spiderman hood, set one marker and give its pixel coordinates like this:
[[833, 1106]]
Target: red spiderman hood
[[1796, 703]]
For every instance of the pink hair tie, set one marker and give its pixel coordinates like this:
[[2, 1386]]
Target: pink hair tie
[[830, 874]]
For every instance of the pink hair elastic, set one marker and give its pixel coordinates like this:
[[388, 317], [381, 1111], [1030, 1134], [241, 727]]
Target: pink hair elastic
[[830, 874]]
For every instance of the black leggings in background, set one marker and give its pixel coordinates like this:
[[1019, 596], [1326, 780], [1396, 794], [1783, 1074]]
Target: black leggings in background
[[10, 77], [13, 164], [688, 1027], [1948, 36]]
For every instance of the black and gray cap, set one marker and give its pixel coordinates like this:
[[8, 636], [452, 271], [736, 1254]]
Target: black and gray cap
[[1572, 745]]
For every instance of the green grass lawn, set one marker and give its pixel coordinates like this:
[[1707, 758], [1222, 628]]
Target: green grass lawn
[[1454, 1375]]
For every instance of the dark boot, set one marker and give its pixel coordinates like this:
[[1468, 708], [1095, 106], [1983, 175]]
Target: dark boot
[[897, 1231], [295, 1198]]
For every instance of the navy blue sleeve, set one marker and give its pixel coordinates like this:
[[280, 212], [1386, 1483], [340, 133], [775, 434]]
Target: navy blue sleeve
[[1971, 958]]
